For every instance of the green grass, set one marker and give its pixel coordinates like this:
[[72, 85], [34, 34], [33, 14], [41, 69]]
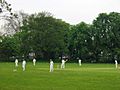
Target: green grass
[[73, 77]]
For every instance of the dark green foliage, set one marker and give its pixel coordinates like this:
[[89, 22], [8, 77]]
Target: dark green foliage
[[9, 49], [49, 37], [99, 42], [79, 39], [46, 36], [108, 32]]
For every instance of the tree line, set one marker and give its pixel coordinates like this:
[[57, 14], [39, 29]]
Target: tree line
[[42, 36]]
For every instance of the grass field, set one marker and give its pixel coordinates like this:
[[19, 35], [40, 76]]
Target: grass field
[[73, 77]]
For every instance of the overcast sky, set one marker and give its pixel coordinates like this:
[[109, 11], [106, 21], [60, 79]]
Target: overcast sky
[[71, 11]]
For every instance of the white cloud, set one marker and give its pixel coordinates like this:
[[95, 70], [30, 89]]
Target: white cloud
[[72, 11]]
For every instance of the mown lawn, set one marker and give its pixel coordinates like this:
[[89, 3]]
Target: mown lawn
[[73, 77]]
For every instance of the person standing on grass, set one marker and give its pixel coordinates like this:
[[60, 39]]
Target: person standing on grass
[[116, 64], [63, 63], [24, 65], [34, 61], [79, 62], [16, 62], [51, 65]]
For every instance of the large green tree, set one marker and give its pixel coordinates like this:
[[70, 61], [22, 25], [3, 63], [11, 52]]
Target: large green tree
[[79, 41], [107, 27], [9, 48], [46, 35]]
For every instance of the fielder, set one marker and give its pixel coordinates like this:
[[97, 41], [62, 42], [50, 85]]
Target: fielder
[[51, 65], [34, 61], [24, 65], [16, 62], [63, 63], [79, 62], [116, 64]]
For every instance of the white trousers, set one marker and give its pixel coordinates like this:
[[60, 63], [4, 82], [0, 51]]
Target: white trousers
[[116, 65], [16, 64], [34, 63], [23, 67], [51, 68], [62, 65]]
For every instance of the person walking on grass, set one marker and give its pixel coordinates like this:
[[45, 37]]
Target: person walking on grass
[[51, 65], [116, 64], [63, 63], [24, 65], [16, 62], [34, 61], [79, 62]]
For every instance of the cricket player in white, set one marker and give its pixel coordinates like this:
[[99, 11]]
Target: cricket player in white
[[79, 62], [63, 63], [34, 61], [23, 65], [51, 65], [116, 64], [16, 62]]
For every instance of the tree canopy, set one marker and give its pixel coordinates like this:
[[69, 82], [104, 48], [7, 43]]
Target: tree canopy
[[48, 37]]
